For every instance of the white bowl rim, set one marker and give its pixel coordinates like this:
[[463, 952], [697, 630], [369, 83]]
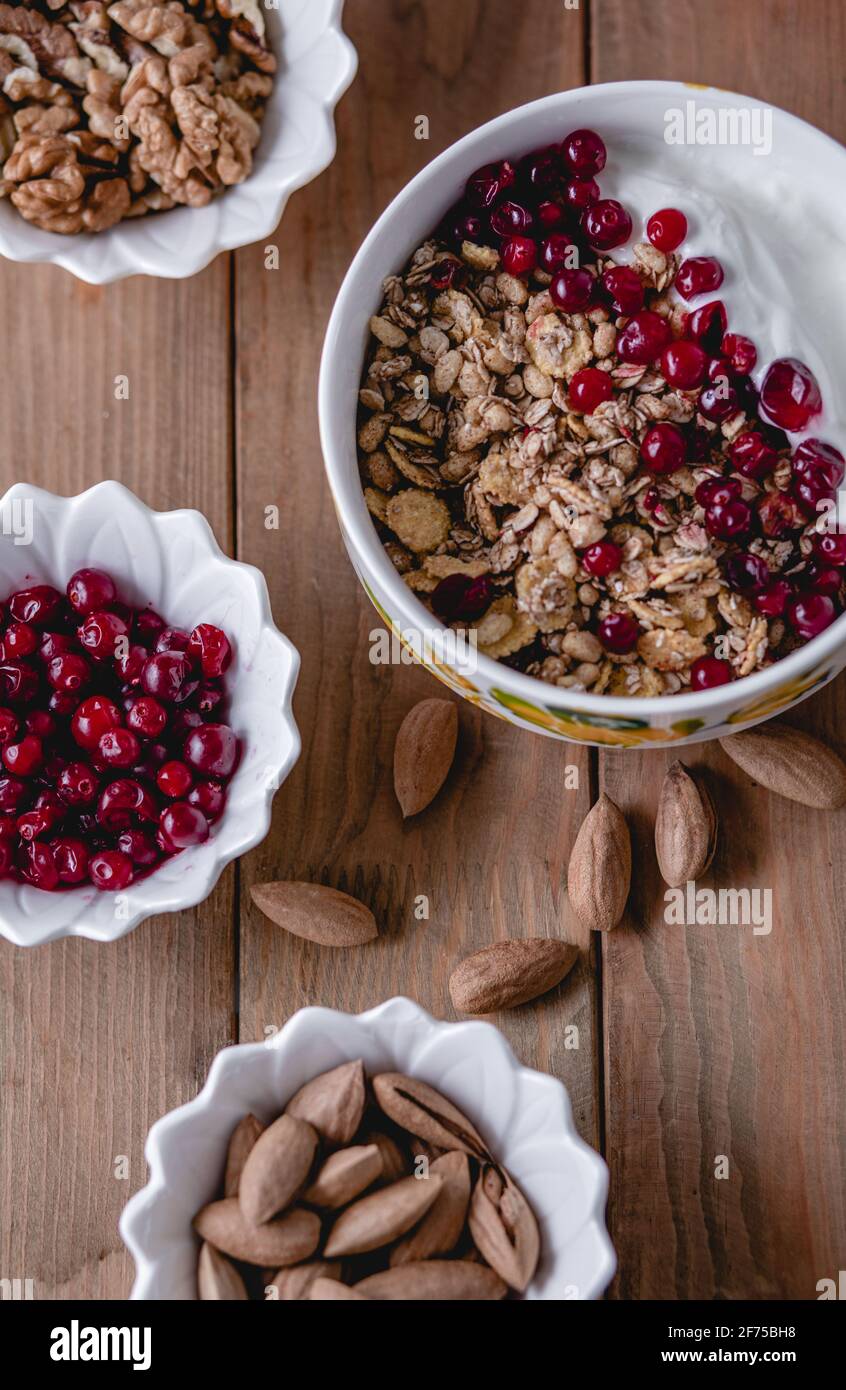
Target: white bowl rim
[[196, 892], [120, 265], [357, 522], [132, 1224]]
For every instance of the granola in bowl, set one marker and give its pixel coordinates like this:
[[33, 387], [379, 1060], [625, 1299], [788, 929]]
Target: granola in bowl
[[115, 110], [563, 453]]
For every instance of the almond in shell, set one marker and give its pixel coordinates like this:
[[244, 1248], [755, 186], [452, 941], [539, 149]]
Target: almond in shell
[[509, 973], [217, 1279], [332, 1291], [790, 763], [294, 1285], [423, 753], [284, 1241], [244, 1136], [504, 1228], [276, 1167], [316, 912], [332, 1103], [600, 872], [685, 827], [420, 1109], [344, 1175], [440, 1230], [434, 1280], [382, 1216]]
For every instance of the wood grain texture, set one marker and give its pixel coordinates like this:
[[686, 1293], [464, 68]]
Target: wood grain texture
[[491, 861], [96, 1042], [718, 1041]]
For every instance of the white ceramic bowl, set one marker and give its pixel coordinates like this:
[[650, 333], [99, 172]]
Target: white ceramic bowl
[[524, 1116], [317, 63], [172, 561], [763, 234]]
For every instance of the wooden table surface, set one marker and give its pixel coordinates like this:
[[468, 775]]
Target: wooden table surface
[[693, 1043]]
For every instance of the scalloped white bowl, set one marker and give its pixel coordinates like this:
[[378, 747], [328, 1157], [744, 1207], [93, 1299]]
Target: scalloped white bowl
[[524, 1116], [172, 561], [317, 63]]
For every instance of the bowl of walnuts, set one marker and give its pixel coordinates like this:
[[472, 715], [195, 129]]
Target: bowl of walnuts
[[144, 138]]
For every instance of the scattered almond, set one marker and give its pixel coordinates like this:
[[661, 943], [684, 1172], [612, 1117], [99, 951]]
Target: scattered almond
[[791, 764], [685, 827], [423, 753], [316, 912], [600, 872], [509, 973]]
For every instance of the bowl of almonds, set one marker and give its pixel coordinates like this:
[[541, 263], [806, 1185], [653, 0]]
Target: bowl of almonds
[[383, 1156], [140, 137], [584, 471]]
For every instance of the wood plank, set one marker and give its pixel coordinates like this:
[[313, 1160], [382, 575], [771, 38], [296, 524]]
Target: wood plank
[[98, 1041], [490, 854], [718, 1041]]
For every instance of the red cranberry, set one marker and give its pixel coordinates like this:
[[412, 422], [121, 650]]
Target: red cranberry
[[556, 253], [698, 275], [747, 572], [741, 352], [830, 546], [90, 590], [147, 626], [183, 721], [584, 153], [123, 800], [139, 846], [448, 271], [99, 635], [709, 671], [707, 325], [752, 457], [663, 449], [718, 402], [20, 640], [790, 395], [512, 219], [487, 184], [70, 856], [69, 673], [111, 871], [165, 675], [624, 290], [209, 696], [147, 717], [12, 791], [779, 514], [618, 633], [63, 703], [172, 639], [182, 825], [580, 194], [589, 388], [38, 866], [130, 666], [18, 682], [55, 644], [7, 858], [41, 723], [602, 558], [541, 169], [549, 214], [464, 225], [460, 597], [52, 802], [208, 797], [607, 224], [684, 364], [78, 784], [174, 779], [34, 825], [819, 464], [9, 726], [36, 606], [9, 824], [822, 579], [24, 758], [729, 521], [811, 614], [519, 255], [95, 716], [644, 338], [771, 600], [712, 490], [118, 748], [212, 750], [571, 290], [667, 229], [152, 757]]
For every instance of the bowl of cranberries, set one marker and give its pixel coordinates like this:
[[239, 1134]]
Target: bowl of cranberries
[[145, 712], [583, 417]]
